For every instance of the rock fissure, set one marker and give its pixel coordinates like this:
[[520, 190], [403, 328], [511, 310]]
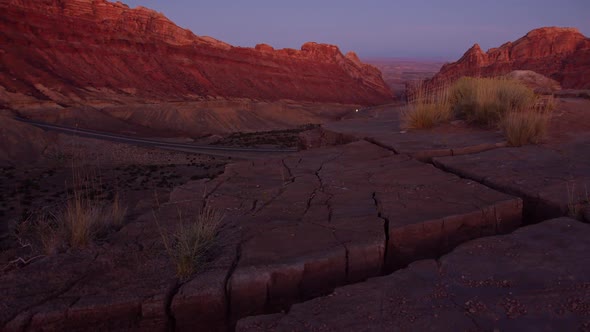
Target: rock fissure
[[290, 174], [381, 145], [207, 194], [385, 231], [227, 283], [171, 323]]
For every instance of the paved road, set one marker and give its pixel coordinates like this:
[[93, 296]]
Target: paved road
[[247, 153]]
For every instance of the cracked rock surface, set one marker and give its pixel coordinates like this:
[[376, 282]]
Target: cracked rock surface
[[383, 126], [328, 217], [554, 180], [294, 228], [537, 278]]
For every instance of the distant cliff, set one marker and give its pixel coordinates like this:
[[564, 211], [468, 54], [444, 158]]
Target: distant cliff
[[73, 52], [562, 54]]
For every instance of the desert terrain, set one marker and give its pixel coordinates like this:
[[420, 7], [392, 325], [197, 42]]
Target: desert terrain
[[398, 72], [156, 180]]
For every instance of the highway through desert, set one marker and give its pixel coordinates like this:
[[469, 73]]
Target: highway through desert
[[234, 152]]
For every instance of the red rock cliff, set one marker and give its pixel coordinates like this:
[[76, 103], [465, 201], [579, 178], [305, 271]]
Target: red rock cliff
[[73, 51], [562, 54]]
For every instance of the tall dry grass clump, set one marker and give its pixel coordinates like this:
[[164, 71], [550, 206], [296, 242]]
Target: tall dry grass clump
[[81, 219], [525, 127], [117, 211], [489, 102], [528, 126], [427, 107], [189, 243], [486, 101], [84, 217]]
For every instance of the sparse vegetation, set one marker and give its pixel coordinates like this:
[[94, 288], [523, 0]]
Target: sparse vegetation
[[85, 216], [525, 127], [486, 101], [427, 108], [286, 138], [85, 219], [189, 243], [77, 224], [118, 211]]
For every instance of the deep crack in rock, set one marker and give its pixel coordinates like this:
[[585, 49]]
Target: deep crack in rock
[[385, 230]]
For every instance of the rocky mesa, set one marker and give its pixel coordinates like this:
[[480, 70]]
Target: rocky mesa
[[81, 52], [562, 54]]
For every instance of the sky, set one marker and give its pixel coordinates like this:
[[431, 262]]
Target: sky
[[429, 29]]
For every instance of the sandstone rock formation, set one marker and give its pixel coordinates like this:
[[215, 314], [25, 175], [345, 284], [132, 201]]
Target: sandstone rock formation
[[539, 83], [73, 52], [562, 54], [534, 279]]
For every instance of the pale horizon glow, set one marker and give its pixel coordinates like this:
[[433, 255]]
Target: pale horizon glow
[[429, 29]]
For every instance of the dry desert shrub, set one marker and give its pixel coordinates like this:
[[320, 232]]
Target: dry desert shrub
[[485, 101], [77, 224], [525, 127], [490, 102], [84, 217], [188, 244], [118, 211], [427, 107]]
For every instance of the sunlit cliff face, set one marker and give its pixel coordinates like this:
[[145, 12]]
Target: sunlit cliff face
[[69, 51], [562, 54]]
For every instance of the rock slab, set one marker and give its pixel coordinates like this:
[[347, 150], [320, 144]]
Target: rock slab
[[537, 278]]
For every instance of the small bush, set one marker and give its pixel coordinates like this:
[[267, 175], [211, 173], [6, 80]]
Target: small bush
[[525, 127], [77, 224], [485, 101], [81, 219], [117, 211], [188, 244], [427, 108]]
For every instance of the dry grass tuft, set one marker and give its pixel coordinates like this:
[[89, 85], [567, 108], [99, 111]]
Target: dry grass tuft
[[83, 218], [117, 211], [427, 108], [525, 127], [189, 243], [486, 101], [81, 221]]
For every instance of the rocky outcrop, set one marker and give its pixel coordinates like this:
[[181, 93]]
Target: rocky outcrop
[[72, 52], [295, 227], [562, 54], [539, 83], [533, 279]]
